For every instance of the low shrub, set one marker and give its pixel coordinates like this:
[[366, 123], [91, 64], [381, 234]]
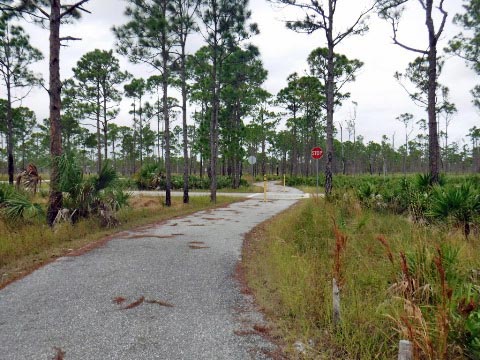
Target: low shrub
[[152, 177]]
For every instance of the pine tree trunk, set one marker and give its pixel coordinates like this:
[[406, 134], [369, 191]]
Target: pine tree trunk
[[433, 147], [114, 156], [55, 197], [186, 197], [160, 154], [214, 128], [168, 165], [105, 126], [263, 144], [293, 165], [11, 164], [140, 130], [330, 106], [99, 137]]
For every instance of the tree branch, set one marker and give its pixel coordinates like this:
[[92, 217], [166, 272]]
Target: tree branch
[[409, 48], [351, 29], [20, 99], [69, 38], [321, 11], [416, 100], [44, 13], [73, 7], [396, 42], [444, 20], [22, 10], [84, 10], [43, 86]]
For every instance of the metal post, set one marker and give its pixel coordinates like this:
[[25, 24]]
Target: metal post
[[253, 176], [265, 188], [317, 178], [336, 304], [405, 351], [284, 183]]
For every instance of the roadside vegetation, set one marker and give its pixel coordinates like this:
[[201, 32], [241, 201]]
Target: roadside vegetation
[[406, 256], [94, 207], [151, 176]]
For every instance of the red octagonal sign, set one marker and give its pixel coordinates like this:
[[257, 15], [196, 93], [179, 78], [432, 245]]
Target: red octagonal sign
[[317, 152]]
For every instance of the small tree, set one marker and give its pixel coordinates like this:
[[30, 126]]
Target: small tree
[[53, 12], [16, 54], [321, 15], [136, 90], [113, 137], [406, 120], [242, 95], [344, 71], [392, 11], [468, 46], [147, 38], [183, 24], [289, 98], [97, 76], [224, 28]]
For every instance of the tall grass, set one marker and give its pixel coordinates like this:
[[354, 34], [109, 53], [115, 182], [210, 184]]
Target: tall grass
[[289, 263]]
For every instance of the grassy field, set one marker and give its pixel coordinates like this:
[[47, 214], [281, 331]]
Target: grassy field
[[25, 246], [290, 261]]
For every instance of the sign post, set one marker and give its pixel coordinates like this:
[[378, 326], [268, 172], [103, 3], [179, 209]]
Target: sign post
[[264, 188], [317, 154], [252, 160]]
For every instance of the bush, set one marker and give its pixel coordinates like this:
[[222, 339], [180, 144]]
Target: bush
[[459, 204], [16, 205], [151, 177]]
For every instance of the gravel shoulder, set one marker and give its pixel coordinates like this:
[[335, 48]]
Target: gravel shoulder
[[165, 291]]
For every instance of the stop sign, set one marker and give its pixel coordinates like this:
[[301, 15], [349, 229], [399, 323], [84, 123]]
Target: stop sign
[[317, 152]]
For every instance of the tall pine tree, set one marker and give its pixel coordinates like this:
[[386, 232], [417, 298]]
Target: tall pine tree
[[16, 54]]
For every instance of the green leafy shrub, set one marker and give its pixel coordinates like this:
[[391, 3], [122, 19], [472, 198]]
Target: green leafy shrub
[[472, 328], [150, 176], [16, 205], [115, 198], [197, 182], [98, 195], [459, 204]]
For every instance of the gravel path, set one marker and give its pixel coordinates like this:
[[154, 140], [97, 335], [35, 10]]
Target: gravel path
[[162, 292]]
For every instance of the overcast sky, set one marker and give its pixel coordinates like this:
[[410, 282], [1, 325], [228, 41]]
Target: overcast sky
[[380, 98]]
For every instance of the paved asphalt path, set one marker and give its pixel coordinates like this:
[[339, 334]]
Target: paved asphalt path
[[181, 275], [274, 191]]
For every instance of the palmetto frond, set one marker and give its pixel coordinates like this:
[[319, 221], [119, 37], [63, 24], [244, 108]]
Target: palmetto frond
[[105, 178], [460, 204], [14, 205]]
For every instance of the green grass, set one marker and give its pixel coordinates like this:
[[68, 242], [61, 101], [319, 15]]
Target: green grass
[[243, 189], [311, 189], [23, 246], [289, 263]]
